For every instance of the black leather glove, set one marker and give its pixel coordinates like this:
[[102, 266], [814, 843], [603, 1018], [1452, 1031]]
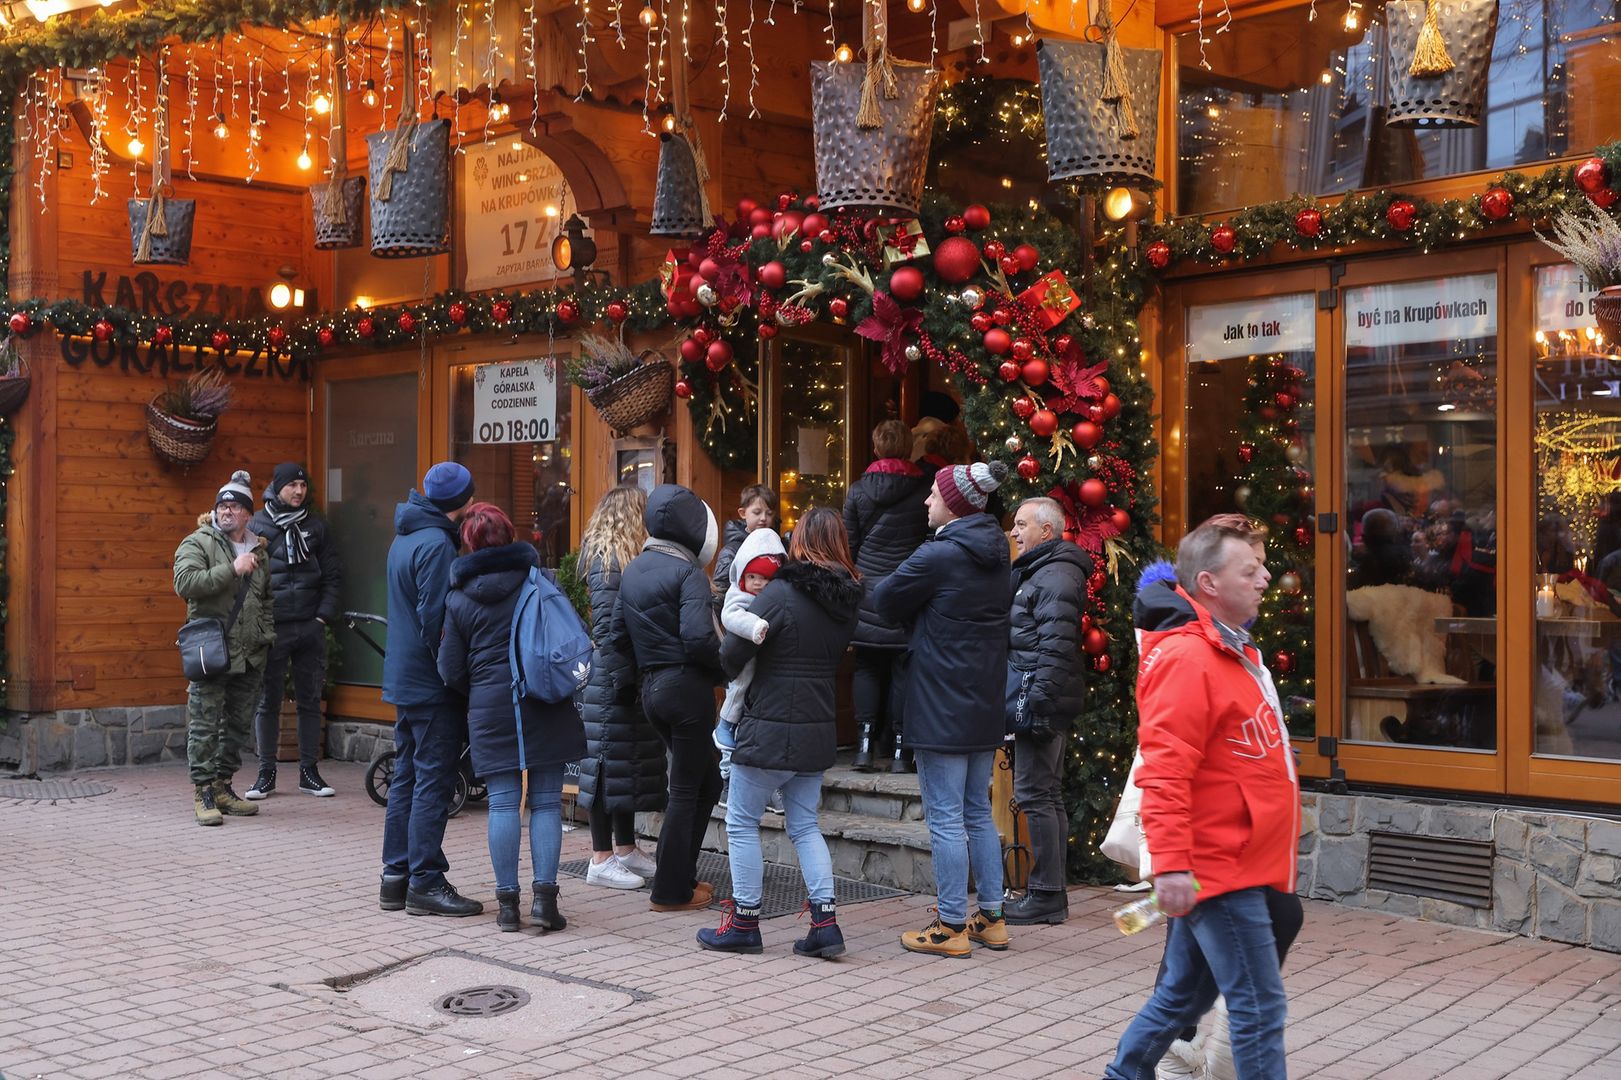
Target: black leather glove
[[1041, 729]]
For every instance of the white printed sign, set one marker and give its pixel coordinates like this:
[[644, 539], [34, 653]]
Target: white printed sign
[[1412, 312], [515, 403], [1564, 298], [1269, 324], [505, 229]]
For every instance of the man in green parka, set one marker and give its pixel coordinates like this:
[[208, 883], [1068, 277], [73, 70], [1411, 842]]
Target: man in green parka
[[211, 566]]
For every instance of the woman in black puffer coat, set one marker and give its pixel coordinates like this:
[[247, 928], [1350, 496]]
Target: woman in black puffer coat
[[474, 659], [786, 737], [623, 770], [886, 521]]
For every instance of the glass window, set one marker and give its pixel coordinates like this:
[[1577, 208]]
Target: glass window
[[509, 424], [371, 461], [1421, 512], [1578, 531], [1288, 102], [1251, 439], [811, 448]]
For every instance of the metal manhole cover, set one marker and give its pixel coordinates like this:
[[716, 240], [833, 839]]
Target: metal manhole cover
[[52, 790], [483, 1001]]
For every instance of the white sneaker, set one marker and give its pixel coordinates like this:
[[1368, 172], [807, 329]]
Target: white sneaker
[[638, 862], [1181, 1061], [612, 874]]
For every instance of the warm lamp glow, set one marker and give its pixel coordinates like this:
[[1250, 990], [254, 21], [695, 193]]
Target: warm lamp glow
[[370, 96], [304, 159], [222, 130], [916, 5], [281, 294], [322, 104], [136, 146], [844, 54], [648, 17]]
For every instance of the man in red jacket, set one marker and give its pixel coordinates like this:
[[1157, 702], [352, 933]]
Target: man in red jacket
[[1221, 802]]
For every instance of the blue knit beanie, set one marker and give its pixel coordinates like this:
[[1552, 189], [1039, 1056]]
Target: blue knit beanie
[[448, 486]]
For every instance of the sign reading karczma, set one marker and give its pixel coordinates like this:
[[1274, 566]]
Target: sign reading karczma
[[515, 403]]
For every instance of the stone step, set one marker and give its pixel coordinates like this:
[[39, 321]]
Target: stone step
[[893, 797], [863, 847]]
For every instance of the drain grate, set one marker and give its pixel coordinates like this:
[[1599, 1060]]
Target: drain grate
[[483, 1001], [782, 891], [52, 790]]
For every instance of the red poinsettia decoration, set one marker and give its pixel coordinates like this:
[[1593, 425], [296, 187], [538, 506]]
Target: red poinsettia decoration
[[1076, 382], [1086, 525], [891, 325]]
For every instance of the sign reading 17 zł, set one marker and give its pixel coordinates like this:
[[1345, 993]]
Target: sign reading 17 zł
[[515, 402], [506, 230]]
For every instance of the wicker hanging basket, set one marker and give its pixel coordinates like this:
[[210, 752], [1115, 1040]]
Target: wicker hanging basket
[[635, 397], [1086, 138], [410, 190], [677, 193], [340, 222], [14, 391], [879, 169], [176, 441], [1456, 97], [1607, 313]]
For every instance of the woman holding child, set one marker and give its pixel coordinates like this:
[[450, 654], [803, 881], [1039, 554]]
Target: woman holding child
[[785, 736]]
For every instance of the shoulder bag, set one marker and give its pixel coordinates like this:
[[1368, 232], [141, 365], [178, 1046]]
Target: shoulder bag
[[204, 653]]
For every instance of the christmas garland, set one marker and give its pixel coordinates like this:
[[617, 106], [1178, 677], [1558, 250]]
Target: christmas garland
[[1304, 224]]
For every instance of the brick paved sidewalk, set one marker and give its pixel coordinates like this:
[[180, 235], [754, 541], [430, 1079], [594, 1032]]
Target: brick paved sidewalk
[[135, 944]]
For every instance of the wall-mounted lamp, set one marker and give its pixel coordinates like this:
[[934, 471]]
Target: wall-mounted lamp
[[573, 249], [283, 293], [1125, 204]]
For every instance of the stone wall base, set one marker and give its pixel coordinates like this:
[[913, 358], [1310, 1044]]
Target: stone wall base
[[1554, 875], [357, 740], [91, 738]]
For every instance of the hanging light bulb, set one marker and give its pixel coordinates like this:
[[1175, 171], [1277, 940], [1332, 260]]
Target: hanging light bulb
[[916, 5], [370, 96], [649, 17], [844, 54], [222, 130], [304, 159], [669, 122], [322, 104], [136, 146]]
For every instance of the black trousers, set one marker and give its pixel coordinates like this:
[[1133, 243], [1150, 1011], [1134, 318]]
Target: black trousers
[[1288, 916], [610, 829], [680, 704], [875, 694], [301, 645]]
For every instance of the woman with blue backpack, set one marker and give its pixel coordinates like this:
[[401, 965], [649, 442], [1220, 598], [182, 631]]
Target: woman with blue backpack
[[508, 730]]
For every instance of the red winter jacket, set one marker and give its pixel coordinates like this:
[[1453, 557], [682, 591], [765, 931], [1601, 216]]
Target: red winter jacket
[[1220, 794]]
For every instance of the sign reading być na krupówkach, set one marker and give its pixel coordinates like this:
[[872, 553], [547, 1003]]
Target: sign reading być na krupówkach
[[515, 402]]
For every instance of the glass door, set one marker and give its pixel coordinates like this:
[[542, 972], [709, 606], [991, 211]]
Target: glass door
[[813, 386]]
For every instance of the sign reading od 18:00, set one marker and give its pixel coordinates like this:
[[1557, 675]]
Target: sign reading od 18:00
[[515, 402]]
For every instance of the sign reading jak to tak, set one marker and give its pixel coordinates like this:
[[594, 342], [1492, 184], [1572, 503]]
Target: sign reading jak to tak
[[515, 403], [1272, 324], [1416, 312]]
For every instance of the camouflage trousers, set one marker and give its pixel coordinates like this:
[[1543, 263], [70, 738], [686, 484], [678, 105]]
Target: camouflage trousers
[[219, 723]]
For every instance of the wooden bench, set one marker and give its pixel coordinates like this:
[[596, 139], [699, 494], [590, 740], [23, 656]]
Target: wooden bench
[[1384, 707]]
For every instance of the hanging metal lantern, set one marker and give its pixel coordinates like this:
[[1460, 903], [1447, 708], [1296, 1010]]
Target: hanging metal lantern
[[410, 189], [160, 227], [1101, 131], [678, 195], [878, 164], [1439, 58], [340, 212]]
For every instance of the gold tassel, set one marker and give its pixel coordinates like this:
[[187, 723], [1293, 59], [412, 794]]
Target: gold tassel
[[331, 204], [1116, 83], [399, 156], [1430, 57], [157, 224]]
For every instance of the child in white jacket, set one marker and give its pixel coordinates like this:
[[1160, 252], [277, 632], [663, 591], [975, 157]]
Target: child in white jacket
[[757, 560]]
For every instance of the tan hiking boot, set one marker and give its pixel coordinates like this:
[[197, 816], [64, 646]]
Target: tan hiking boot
[[938, 939], [230, 802], [991, 933], [202, 801]]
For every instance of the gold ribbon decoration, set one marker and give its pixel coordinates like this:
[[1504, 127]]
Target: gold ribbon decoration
[[1116, 83], [880, 76], [1430, 56]]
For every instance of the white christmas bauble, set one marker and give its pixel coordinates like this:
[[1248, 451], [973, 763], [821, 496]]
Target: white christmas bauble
[[707, 296], [972, 297]]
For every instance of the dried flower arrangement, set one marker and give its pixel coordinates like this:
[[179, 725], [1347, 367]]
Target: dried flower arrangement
[[1590, 238], [200, 398]]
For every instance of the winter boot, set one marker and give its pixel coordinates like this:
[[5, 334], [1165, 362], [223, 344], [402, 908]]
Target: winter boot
[[1183, 1061], [230, 802], [824, 939], [202, 801], [391, 892], [506, 917], [1218, 1046], [863, 761], [1038, 906], [739, 931], [988, 929], [264, 785], [938, 939], [543, 912]]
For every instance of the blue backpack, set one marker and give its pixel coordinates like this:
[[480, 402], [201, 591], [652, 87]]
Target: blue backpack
[[550, 651]]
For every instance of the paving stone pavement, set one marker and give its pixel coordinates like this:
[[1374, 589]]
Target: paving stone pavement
[[135, 944]]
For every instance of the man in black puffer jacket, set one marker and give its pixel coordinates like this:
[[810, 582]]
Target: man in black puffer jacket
[[305, 577], [1049, 596], [886, 521], [664, 627]]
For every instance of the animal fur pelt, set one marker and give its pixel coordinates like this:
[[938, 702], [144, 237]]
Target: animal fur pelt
[[1401, 619]]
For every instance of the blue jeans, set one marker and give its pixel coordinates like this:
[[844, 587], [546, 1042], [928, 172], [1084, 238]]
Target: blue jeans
[[957, 806], [428, 742], [545, 824], [751, 788], [1225, 945]]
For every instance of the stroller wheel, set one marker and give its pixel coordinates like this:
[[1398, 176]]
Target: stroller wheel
[[477, 792], [379, 774], [458, 797]]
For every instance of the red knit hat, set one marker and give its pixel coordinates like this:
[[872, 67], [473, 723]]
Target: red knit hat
[[764, 565], [965, 489]]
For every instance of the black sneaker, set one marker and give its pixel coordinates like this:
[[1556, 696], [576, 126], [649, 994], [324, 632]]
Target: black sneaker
[[263, 786], [310, 782], [444, 900]]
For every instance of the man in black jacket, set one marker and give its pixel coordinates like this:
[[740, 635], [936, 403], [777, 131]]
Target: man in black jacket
[[1049, 596], [304, 579]]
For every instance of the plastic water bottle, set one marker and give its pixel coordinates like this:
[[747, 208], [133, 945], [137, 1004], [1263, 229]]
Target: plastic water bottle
[[1139, 915]]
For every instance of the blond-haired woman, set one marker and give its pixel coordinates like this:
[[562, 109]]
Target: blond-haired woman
[[624, 770]]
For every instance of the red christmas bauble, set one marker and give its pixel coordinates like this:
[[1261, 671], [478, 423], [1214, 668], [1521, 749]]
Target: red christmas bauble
[[692, 350], [759, 232], [1603, 198], [366, 327], [1285, 401], [102, 330], [617, 311], [326, 336], [745, 207], [759, 216], [709, 270], [407, 321], [1086, 434], [501, 310], [1008, 370], [457, 312], [1044, 422], [1029, 467], [568, 310], [1023, 349], [1101, 663], [1592, 175], [906, 283], [1097, 580], [703, 335], [981, 321], [997, 341], [1094, 413], [1120, 518], [812, 202], [994, 250], [814, 224], [1001, 316], [1401, 214], [1224, 239], [1028, 256], [1283, 662], [1303, 535], [838, 307], [1010, 265], [1158, 254], [220, 340], [277, 336], [683, 389], [718, 354], [1111, 406], [791, 221], [773, 275], [1094, 641], [1246, 453], [20, 322], [1497, 204], [162, 334], [784, 201], [1062, 344], [1034, 370], [807, 246], [1103, 386], [768, 330], [1023, 408], [956, 260], [1086, 622], [825, 236], [976, 217], [955, 225], [1309, 222], [1094, 492]]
